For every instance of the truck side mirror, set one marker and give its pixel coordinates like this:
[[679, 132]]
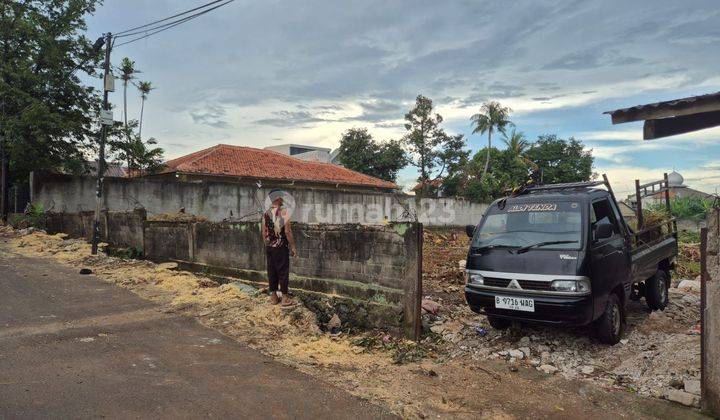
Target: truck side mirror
[[470, 230], [603, 229]]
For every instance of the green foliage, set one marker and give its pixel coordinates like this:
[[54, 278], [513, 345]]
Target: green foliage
[[48, 116], [492, 117], [142, 156], [34, 216], [561, 160], [433, 151], [691, 208], [360, 152]]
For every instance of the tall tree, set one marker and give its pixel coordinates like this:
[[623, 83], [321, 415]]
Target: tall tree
[[516, 143], [492, 116], [47, 116], [127, 73], [360, 152], [561, 160], [430, 148], [142, 156], [144, 88]]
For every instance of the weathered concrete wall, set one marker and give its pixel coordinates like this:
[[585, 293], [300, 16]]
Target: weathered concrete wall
[[218, 201], [168, 241], [380, 264], [711, 315]]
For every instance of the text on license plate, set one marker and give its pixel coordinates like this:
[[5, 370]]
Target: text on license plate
[[515, 303]]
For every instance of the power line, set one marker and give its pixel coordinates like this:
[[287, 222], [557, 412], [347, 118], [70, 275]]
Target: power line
[[170, 25], [124, 33]]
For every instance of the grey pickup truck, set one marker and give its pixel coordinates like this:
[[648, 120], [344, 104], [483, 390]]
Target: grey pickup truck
[[563, 254]]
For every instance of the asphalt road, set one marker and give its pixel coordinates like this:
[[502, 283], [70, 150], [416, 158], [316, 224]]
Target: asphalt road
[[74, 346]]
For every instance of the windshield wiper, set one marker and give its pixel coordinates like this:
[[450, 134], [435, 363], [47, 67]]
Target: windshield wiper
[[478, 249], [539, 244]]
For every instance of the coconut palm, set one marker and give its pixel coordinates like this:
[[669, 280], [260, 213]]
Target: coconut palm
[[492, 116], [516, 143], [144, 88], [127, 73]]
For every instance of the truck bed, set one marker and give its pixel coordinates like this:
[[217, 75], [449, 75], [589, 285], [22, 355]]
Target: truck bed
[[645, 258]]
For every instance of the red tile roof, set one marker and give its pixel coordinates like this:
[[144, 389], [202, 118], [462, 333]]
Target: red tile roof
[[248, 162]]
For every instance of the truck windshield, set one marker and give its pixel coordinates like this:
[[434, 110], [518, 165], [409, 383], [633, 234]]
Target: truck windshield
[[552, 225]]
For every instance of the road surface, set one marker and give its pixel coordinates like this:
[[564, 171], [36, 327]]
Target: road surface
[[74, 346]]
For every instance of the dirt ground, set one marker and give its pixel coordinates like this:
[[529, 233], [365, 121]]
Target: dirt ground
[[453, 372]]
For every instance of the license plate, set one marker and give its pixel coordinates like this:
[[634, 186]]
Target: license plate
[[515, 303]]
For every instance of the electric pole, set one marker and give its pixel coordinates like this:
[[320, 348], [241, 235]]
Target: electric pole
[[101, 153]]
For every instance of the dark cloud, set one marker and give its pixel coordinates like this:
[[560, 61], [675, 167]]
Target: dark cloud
[[590, 59], [211, 115], [290, 119]]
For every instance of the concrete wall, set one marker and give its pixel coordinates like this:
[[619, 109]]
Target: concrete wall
[[711, 314], [218, 201], [380, 264]]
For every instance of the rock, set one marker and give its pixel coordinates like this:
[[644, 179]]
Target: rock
[[587, 370], [243, 288], [692, 386], [682, 397], [535, 362], [689, 286], [462, 263], [545, 356], [503, 353], [542, 348], [518, 354], [204, 282], [549, 369], [438, 328], [333, 326], [525, 350], [513, 368], [676, 383], [624, 341], [430, 306], [524, 342]]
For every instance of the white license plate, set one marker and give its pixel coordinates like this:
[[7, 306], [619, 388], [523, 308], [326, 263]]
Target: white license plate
[[515, 303]]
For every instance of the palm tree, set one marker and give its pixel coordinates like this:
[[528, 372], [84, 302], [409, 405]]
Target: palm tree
[[516, 143], [492, 116], [127, 73], [144, 88]]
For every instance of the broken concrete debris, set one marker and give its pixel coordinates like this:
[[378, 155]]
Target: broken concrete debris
[[682, 397]]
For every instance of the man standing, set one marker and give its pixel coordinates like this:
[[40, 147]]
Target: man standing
[[279, 243]]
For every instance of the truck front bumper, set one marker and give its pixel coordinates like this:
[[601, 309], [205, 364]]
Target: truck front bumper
[[549, 309]]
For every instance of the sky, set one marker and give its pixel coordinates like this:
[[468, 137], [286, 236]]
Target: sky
[[261, 73]]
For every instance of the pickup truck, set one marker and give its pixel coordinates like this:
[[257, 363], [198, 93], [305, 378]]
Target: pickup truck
[[563, 254]]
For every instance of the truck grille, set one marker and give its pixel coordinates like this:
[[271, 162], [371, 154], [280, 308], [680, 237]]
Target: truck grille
[[525, 284]]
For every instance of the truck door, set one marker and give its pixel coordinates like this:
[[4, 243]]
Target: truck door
[[610, 260]]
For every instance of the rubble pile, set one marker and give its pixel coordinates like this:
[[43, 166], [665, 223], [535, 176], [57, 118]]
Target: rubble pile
[[659, 353]]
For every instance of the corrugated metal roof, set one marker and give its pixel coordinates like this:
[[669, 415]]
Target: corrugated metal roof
[[664, 109]]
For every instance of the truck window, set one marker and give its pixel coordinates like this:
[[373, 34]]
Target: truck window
[[526, 223], [602, 209]]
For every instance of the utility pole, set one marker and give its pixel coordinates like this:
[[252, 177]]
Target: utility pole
[[4, 181], [101, 153]]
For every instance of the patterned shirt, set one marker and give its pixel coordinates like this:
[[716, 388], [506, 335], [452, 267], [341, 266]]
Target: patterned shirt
[[275, 236]]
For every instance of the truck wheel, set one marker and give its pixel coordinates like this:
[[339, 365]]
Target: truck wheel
[[499, 323], [609, 327], [656, 290]]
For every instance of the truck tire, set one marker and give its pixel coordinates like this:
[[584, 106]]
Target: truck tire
[[656, 290], [609, 327], [499, 323]]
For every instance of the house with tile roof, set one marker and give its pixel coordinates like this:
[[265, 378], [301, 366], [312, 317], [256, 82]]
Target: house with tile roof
[[269, 168]]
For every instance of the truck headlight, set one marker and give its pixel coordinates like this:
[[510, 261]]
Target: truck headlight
[[577, 286], [474, 278]]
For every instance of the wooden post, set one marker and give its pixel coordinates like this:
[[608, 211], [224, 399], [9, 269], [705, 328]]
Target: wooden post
[[672, 224], [638, 206], [412, 308]]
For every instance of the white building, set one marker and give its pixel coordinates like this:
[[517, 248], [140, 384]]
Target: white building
[[310, 153]]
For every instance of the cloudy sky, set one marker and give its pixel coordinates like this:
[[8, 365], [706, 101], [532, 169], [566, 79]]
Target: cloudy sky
[[267, 72]]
